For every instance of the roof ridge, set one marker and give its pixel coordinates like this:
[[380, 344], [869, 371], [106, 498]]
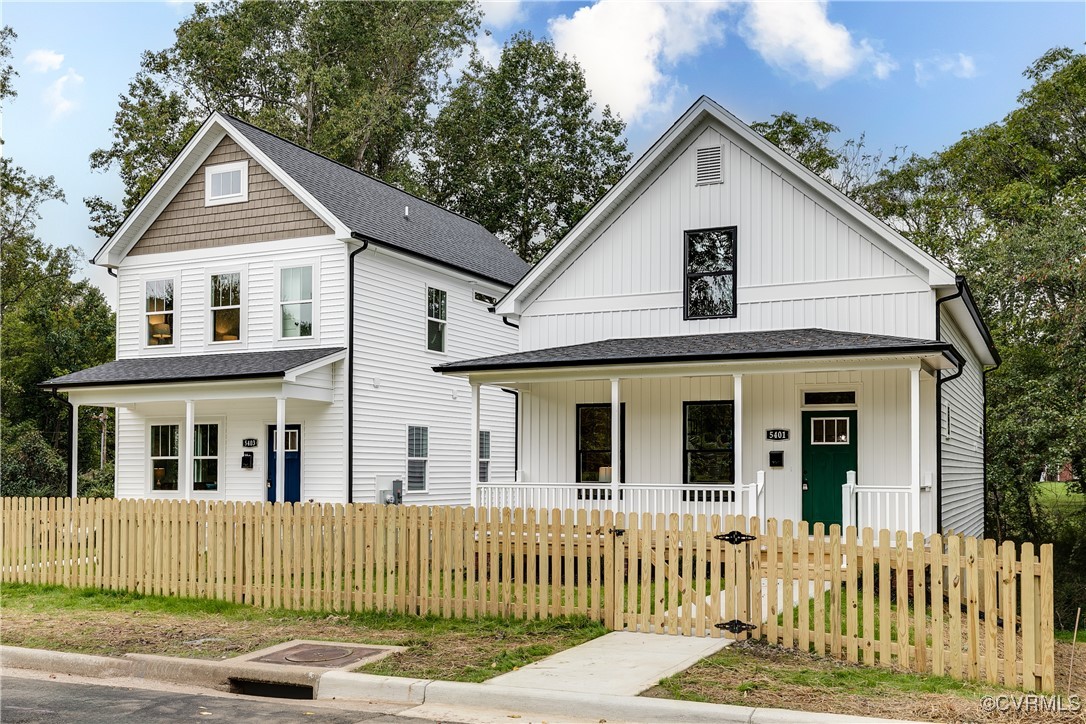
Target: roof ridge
[[360, 173]]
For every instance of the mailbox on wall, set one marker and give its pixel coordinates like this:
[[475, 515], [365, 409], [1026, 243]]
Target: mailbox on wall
[[246, 460], [776, 458]]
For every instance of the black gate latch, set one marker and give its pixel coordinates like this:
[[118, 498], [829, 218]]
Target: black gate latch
[[617, 531], [735, 537], [736, 626]]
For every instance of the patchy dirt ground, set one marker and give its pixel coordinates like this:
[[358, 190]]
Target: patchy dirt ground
[[437, 648], [754, 674]]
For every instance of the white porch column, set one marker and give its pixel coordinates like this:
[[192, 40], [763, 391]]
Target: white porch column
[[280, 444], [616, 439], [474, 464], [914, 448], [187, 440], [737, 401], [75, 451]]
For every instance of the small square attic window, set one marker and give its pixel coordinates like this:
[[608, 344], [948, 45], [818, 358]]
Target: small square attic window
[[226, 183], [710, 166]]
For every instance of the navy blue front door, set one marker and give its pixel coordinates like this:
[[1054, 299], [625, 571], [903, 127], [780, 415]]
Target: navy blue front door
[[292, 489]]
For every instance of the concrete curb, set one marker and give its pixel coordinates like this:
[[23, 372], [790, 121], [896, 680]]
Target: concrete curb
[[341, 685]]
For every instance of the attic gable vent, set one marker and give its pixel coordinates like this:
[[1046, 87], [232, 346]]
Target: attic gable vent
[[710, 167]]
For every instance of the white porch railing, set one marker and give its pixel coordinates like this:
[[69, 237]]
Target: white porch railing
[[742, 499], [876, 506]]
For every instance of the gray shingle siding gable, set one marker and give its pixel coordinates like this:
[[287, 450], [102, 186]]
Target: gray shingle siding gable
[[375, 210]]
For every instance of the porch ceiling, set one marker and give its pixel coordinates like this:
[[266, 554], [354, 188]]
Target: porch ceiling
[[709, 354]]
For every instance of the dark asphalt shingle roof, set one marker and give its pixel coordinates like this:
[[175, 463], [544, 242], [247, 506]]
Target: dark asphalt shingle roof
[[375, 209], [698, 347], [194, 368]]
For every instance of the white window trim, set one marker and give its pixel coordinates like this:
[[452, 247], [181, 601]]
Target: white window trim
[[804, 388], [836, 419], [209, 317], [143, 280], [238, 198], [426, 329], [408, 458], [314, 267], [487, 459], [148, 472], [220, 491]]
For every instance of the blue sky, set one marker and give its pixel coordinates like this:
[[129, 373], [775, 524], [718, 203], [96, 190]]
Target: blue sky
[[913, 74]]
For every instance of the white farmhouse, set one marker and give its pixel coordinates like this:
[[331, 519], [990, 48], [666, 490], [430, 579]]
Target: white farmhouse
[[750, 340], [273, 300]]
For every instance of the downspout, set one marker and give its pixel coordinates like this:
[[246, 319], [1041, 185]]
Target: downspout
[[959, 282], [516, 429], [350, 361], [505, 319]]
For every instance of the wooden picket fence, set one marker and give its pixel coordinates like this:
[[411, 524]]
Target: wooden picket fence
[[947, 605]]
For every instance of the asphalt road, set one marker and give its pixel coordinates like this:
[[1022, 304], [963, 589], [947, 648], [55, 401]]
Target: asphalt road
[[26, 700]]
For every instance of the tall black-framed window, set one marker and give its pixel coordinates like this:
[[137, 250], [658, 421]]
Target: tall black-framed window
[[594, 441], [710, 258], [709, 442]]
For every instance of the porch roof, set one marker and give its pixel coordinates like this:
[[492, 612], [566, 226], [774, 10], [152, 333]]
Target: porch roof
[[726, 346], [194, 368]]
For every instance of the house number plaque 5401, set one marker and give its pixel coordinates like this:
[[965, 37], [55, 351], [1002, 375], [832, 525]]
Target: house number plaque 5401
[[776, 434]]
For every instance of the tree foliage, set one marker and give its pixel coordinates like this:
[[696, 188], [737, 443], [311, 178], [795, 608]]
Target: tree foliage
[[521, 148], [349, 80]]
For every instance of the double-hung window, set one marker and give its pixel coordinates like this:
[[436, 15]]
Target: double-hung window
[[484, 456], [436, 309], [418, 454], [226, 183], [296, 301], [226, 307], [594, 443], [205, 463], [709, 435], [158, 311], [710, 273], [165, 453]]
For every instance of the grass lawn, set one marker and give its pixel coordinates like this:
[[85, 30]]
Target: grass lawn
[[1056, 497], [758, 675], [113, 623]]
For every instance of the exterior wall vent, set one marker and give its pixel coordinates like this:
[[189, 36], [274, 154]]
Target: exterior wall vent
[[710, 166]]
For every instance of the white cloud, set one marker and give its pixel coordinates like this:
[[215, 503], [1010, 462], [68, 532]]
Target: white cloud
[[502, 13], [625, 48], [959, 65], [56, 96], [43, 61], [799, 37]]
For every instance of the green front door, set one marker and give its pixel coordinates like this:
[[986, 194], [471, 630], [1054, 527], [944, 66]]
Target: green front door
[[829, 451]]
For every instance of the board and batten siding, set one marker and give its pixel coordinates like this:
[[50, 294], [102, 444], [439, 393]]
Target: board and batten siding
[[395, 385], [260, 265], [798, 263], [654, 425], [323, 463], [271, 212], [963, 448]]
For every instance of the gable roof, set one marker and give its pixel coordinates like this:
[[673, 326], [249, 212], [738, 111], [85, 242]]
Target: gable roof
[[350, 202], [193, 368], [773, 344], [706, 109]]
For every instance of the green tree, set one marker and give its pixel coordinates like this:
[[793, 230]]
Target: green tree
[[349, 80], [521, 147]]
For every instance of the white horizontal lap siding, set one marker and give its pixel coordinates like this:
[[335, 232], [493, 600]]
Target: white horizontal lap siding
[[963, 450], [798, 263], [323, 458], [395, 385], [261, 263]]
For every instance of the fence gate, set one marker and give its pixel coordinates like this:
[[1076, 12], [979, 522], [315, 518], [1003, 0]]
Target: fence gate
[[686, 575]]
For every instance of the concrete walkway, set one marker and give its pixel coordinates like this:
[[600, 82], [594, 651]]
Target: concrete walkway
[[619, 663]]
